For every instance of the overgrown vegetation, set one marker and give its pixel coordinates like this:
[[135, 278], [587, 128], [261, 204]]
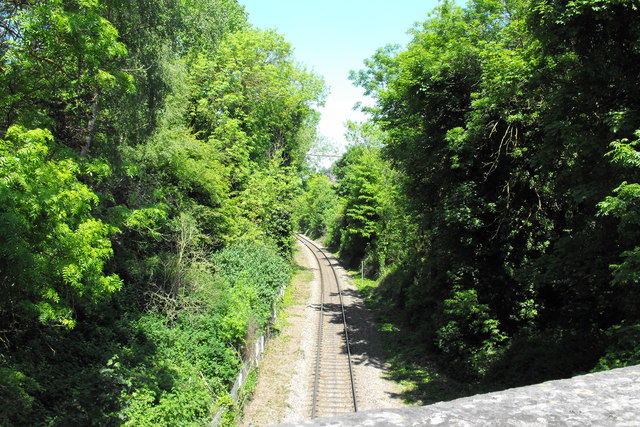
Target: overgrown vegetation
[[150, 155], [494, 191]]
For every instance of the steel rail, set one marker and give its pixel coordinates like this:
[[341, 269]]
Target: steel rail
[[320, 328], [306, 241]]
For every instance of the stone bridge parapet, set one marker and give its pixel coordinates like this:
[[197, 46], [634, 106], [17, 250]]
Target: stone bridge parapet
[[610, 398]]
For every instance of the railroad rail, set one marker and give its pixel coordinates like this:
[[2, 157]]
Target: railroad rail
[[333, 382]]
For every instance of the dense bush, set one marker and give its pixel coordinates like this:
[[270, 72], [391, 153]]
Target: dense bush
[[255, 273], [170, 365], [196, 351]]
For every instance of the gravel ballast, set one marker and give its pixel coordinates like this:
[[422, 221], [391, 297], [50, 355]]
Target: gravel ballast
[[283, 390]]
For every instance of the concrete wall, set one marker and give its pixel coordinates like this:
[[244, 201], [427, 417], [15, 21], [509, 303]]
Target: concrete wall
[[610, 398]]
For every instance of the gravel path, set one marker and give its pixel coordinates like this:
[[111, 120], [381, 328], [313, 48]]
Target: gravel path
[[284, 382]]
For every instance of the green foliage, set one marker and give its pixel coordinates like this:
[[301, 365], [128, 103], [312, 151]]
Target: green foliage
[[54, 250], [18, 389], [267, 206], [256, 273], [191, 365], [317, 206], [62, 56], [470, 335], [172, 364], [535, 358], [255, 88], [196, 351], [497, 117], [359, 175], [372, 225], [623, 347], [179, 132], [623, 205]]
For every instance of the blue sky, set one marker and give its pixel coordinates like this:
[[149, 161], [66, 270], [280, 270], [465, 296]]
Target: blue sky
[[331, 37]]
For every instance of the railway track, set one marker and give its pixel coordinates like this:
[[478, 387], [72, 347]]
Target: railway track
[[333, 383]]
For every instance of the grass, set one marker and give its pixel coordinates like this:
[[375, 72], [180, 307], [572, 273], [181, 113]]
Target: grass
[[291, 296]]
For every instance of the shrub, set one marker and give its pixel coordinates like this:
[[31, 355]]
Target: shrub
[[470, 337], [622, 347], [255, 272]]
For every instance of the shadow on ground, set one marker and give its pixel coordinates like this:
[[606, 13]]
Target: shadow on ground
[[377, 339], [407, 360]]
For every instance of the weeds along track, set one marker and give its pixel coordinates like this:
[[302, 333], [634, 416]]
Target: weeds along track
[[333, 383]]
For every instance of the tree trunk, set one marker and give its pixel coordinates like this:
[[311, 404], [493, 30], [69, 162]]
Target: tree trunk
[[91, 125]]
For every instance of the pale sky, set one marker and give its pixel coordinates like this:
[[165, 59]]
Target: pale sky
[[331, 37]]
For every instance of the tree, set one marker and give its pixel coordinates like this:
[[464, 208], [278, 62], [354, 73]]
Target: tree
[[54, 249], [444, 139], [254, 86], [61, 57], [499, 116], [317, 206], [623, 205]]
